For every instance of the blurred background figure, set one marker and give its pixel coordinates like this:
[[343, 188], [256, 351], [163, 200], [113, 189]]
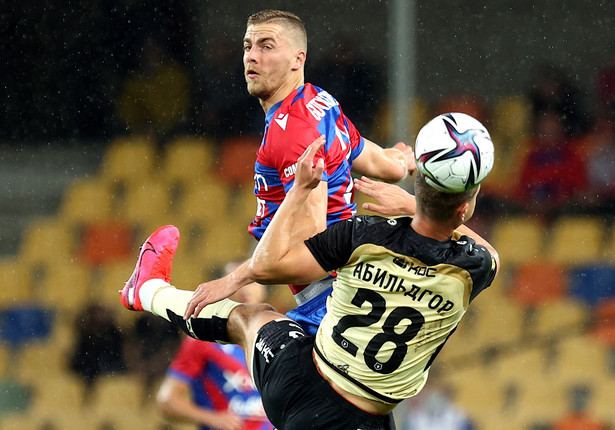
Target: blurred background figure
[[209, 384], [98, 348], [156, 98], [434, 409], [552, 174]]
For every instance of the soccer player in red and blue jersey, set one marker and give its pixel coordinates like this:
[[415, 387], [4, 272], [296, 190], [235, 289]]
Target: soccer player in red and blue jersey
[[275, 47], [217, 379]]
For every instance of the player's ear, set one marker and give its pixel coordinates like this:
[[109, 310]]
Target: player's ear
[[462, 212], [299, 60]]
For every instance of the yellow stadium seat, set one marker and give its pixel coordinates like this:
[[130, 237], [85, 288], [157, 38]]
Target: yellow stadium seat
[[86, 200], [581, 359], [188, 159], [64, 288], [116, 393], [517, 239], [576, 241], [145, 199], [15, 281], [48, 240], [560, 317], [128, 158], [57, 394], [205, 202], [512, 117]]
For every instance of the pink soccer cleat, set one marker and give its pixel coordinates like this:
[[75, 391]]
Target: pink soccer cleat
[[154, 262]]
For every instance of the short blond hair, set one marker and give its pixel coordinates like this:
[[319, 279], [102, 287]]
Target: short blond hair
[[289, 20]]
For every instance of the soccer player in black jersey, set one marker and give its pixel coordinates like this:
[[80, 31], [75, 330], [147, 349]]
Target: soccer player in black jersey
[[402, 286]]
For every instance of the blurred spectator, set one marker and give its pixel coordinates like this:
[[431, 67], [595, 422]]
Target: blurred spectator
[[578, 418], [552, 175], [156, 98], [433, 409], [600, 151], [152, 345], [209, 384], [553, 91], [98, 349]]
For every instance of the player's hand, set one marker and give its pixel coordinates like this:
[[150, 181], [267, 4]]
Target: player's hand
[[208, 293], [393, 199], [309, 175], [408, 154]]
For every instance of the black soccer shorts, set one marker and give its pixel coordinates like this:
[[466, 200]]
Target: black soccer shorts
[[295, 396]]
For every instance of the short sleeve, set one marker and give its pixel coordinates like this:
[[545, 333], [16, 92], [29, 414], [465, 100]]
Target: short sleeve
[[333, 247]]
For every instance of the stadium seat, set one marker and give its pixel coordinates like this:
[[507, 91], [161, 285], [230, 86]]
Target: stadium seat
[[86, 200], [117, 393], [565, 316], [214, 243], [56, 395], [511, 117], [188, 159], [24, 323], [106, 242], [576, 240], [591, 284], [16, 282], [581, 358], [517, 239], [469, 104], [128, 158], [538, 282], [604, 322], [144, 199], [236, 162], [205, 202], [47, 240], [64, 288]]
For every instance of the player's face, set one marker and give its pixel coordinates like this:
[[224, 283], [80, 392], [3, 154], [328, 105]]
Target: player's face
[[269, 60]]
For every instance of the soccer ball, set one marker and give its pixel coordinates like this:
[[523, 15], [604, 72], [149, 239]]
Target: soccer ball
[[454, 152]]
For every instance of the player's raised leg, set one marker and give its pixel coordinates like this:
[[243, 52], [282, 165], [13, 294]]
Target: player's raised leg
[[149, 289]]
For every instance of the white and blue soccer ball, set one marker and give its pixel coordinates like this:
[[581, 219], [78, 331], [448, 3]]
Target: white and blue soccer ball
[[454, 152]]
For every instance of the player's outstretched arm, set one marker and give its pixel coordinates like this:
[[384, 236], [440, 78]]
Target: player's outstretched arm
[[174, 401], [390, 164], [393, 200], [277, 258]]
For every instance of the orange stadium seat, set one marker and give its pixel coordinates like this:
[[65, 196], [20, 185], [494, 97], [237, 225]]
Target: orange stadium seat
[[107, 242], [469, 104], [604, 322], [537, 282], [237, 157]]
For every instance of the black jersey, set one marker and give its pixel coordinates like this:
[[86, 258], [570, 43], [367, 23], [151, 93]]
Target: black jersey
[[397, 298]]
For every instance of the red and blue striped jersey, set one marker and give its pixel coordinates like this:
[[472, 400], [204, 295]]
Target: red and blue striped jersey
[[220, 380], [290, 127]]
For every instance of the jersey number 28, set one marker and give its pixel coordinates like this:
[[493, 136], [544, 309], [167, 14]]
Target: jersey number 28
[[388, 333]]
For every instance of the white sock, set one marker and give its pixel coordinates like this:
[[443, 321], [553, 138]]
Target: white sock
[[148, 290]]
